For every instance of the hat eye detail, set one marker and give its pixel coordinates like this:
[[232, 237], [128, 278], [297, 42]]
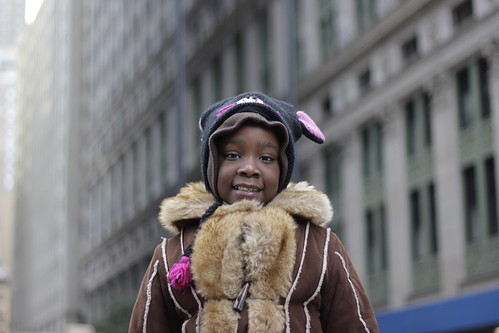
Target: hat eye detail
[[310, 129]]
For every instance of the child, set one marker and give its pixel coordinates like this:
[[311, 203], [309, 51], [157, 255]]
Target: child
[[251, 253]]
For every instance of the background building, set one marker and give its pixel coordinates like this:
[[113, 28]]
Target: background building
[[11, 24], [405, 92], [45, 280]]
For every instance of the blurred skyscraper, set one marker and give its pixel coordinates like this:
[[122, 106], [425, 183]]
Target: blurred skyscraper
[[45, 279], [405, 91], [11, 25]]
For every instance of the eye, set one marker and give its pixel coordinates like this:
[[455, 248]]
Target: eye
[[232, 156], [267, 158]]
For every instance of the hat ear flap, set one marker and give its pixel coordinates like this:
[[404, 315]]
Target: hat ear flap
[[309, 128]]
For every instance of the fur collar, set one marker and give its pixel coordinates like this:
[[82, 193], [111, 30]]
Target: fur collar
[[299, 200]]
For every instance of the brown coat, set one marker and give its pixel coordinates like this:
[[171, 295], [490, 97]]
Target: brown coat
[[300, 276]]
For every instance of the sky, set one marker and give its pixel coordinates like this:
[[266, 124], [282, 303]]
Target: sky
[[32, 7]]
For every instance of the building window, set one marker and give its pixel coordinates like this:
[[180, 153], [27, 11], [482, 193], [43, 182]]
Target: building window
[[217, 78], [333, 170], [376, 240], [473, 92], [470, 203], [165, 149], [332, 159], [416, 224], [483, 82], [327, 106], [491, 196], [410, 127], [299, 48], [462, 12], [410, 50], [327, 26], [372, 149], [240, 62], [464, 98], [433, 219], [366, 13], [418, 123], [265, 51], [423, 221], [364, 80]]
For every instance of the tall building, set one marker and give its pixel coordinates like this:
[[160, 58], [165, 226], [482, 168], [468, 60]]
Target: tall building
[[11, 25], [11, 22], [45, 279]]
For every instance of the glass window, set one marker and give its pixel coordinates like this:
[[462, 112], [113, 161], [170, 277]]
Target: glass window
[[418, 123], [473, 92], [240, 62], [265, 56], [410, 127], [327, 106], [491, 196], [410, 50], [464, 98], [433, 219], [217, 78], [366, 13], [375, 237], [364, 80], [427, 119], [372, 149], [327, 26], [483, 81], [416, 224], [470, 203], [333, 170], [462, 12]]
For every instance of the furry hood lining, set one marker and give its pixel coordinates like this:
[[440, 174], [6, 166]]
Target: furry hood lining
[[300, 200]]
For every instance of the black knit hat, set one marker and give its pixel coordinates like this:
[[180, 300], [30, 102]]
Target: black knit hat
[[296, 123]]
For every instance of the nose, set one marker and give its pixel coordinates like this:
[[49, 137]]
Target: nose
[[249, 167]]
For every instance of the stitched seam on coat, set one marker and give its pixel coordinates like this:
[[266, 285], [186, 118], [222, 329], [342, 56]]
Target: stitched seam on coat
[[163, 254], [170, 291], [149, 296], [359, 314], [321, 280], [295, 282], [194, 293]]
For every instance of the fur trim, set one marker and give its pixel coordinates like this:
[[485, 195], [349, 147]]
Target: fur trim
[[189, 204], [298, 199], [246, 242], [302, 199], [218, 316], [265, 316]]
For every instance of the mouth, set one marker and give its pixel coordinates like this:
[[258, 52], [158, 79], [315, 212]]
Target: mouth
[[246, 188]]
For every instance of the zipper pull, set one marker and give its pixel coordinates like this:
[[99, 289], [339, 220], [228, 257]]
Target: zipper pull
[[241, 298]]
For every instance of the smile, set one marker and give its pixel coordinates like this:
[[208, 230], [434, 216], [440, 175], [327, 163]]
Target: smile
[[247, 189]]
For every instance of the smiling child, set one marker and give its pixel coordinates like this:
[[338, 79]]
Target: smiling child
[[251, 252]]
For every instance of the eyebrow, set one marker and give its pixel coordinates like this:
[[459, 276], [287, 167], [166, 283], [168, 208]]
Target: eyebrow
[[261, 143], [268, 144]]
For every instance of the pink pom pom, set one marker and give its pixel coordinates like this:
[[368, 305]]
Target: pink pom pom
[[179, 276]]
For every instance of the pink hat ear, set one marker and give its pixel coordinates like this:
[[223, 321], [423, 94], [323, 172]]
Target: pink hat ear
[[199, 125], [309, 128]]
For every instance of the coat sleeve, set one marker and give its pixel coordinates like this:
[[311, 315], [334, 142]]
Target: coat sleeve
[[154, 310], [345, 305]]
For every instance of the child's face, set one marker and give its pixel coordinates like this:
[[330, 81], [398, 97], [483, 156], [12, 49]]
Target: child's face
[[248, 162]]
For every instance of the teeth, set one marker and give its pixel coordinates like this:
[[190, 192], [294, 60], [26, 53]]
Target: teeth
[[246, 189]]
